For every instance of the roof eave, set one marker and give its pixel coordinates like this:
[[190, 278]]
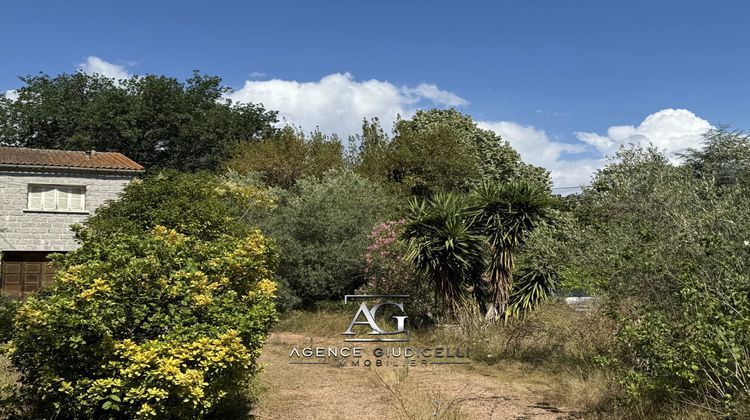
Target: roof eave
[[48, 168]]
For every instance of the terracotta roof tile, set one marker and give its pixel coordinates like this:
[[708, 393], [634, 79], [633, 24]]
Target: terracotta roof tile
[[67, 159]]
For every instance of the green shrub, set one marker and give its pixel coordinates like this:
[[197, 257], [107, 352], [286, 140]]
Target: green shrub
[[533, 287], [538, 277], [199, 205], [322, 230], [155, 325], [8, 308], [671, 252]]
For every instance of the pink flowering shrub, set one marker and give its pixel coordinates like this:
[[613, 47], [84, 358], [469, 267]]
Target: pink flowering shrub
[[385, 266], [388, 272]]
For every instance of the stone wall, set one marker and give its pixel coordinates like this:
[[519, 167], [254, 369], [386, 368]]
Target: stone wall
[[25, 230]]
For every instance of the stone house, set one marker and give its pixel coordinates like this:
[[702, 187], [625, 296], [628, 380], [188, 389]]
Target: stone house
[[42, 193]]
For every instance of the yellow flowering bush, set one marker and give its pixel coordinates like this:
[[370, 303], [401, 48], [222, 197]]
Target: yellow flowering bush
[[246, 195], [159, 325]]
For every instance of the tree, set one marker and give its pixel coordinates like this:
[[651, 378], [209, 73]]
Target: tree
[[449, 236], [429, 161], [725, 157], [287, 156], [494, 158], [439, 150], [507, 214], [321, 227], [158, 121], [444, 246], [368, 151]]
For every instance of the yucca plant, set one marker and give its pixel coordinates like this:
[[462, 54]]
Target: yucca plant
[[507, 214], [443, 245], [534, 287]]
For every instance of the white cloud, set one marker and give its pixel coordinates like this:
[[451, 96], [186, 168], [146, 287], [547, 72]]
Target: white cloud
[[573, 173], [11, 94], [437, 95], [671, 130], [337, 103], [536, 147], [95, 65]]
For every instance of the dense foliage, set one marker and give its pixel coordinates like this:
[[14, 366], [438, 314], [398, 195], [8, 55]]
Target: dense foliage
[[158, 121], [439, 151], [199, 205], [445, 246], [160, 313], [724, 157], [288, 156], [469, 242], [8, 307], [492, 156], [322, 229], [507, 214], [670, 252], [155, 325]]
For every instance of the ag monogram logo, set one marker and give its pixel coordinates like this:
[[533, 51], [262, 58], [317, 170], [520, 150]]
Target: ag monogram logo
[[370, 314]]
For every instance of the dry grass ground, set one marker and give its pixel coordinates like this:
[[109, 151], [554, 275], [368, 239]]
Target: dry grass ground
[[492, 386], [445, 392]]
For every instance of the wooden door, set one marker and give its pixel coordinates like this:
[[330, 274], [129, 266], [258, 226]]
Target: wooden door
[[25, 272], [12, 278]]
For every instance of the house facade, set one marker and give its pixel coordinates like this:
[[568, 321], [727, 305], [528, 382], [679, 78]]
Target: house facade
[[42, 193]]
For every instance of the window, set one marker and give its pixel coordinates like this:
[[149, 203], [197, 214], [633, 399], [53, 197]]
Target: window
[[56, 198]]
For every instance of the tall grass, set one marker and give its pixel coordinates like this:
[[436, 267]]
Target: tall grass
[[552, 334], [416, 402]]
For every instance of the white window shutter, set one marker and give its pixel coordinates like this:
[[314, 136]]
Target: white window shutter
[[35, 197], [63, 198], [77, 195], [48, 198]]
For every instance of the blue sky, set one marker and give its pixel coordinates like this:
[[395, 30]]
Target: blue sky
[[564, 81]]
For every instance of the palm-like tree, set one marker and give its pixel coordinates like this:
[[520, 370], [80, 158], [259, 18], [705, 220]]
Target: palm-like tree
[[507, 214], [444, 245], [534, 287]]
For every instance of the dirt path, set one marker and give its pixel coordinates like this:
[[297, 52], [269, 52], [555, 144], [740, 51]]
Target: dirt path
[[328, 392]]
